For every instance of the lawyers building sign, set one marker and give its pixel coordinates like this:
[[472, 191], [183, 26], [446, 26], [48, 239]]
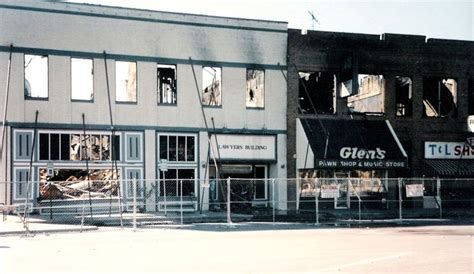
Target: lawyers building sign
[[245, 147]]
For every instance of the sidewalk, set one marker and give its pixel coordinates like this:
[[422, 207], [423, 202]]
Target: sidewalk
[[14, 226]]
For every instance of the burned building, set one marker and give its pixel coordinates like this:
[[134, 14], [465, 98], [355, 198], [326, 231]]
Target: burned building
[[378, 106], [130, 94]]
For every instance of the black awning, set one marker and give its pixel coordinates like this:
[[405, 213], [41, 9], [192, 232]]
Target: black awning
[[458, 168], [354, 144]]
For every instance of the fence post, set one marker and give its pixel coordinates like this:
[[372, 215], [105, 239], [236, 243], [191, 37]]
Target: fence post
[[400, 218], [229, 220], [438, 192], [359, 199], [273, 199], [316, 201], [181, 200], [134, 189], [164, 191]]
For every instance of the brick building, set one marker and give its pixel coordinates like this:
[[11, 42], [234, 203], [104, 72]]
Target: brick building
[[340, 85]]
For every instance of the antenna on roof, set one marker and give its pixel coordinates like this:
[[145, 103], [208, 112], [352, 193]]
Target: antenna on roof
[[313, 19]]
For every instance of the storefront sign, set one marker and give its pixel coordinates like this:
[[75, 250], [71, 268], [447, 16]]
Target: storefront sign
[[245, 147], [329, 191], [360, 153], [360, 163], [448, 150], [415, 190]]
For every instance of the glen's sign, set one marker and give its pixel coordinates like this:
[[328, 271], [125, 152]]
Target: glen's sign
[[245, 147], [361, 158], [448, 150]]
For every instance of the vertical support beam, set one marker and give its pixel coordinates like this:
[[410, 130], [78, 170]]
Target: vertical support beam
[[87, 164], [229, 220], [400, 217], [316, 201], [273, 199], [181, 200]]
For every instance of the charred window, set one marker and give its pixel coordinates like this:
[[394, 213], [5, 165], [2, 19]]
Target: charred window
[[167, 89], [125, 81], [77, 147], [255, 88], [82, 78], [369, 95], [439, 97], [317, 89], [36, 76], [211, 86], [403, 95]]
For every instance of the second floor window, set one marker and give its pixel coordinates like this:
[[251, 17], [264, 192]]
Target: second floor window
[[36, 76], [82, 79], [211, 86], [440, 97], [126, 81], [167, 91], [255, 88]]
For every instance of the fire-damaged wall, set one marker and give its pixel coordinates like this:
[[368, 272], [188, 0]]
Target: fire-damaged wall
[[421, 86]]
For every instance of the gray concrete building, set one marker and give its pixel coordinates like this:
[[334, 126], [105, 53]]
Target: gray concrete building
[[135, 94], [378, 106]]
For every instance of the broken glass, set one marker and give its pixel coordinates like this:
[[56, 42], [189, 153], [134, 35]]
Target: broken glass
[[85, 147], [95, 147], [75, 147], [105, 147]]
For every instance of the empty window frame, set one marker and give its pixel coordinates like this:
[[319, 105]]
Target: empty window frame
[[167, 87], [82, 79], [255, 91], [173, 177], [211, 86], [403, 96], [317, 89], [177, 148], [126, 81], [77, 147], [36, 76], [369, 98], [439, 97]]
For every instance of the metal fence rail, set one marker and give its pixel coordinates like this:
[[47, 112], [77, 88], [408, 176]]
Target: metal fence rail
[[146, 203]]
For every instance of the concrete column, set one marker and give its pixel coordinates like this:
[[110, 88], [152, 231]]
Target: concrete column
[[390, 96], [463, 98], [150, 168]]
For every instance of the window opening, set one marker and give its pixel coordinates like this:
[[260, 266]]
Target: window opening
[[439, 97], [255, 88], [369, 98], [36, 76], [82, 79], [211, 85], [321, 90], [167, 88], [126, 81], [403, 96]]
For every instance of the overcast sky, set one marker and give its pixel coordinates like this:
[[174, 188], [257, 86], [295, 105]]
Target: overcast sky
[[450, 19]]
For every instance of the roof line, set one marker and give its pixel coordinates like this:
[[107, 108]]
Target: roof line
[[123, 17]]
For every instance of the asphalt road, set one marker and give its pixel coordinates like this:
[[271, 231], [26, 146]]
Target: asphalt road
[[251, 248]]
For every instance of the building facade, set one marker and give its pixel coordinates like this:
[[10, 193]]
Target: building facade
[[370, 106], [137, 94]]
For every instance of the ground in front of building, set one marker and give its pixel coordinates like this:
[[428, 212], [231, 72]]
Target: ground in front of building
[[244, 248]]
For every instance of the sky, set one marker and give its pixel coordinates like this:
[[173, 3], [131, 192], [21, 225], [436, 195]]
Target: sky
[[447, 19]]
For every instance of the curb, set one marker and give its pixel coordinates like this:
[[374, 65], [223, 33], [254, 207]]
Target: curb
[[56, 230]]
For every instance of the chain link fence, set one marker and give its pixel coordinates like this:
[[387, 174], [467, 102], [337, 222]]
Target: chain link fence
[[148, 203]]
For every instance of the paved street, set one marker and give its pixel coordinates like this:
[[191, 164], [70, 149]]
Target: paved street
[[247, 248]]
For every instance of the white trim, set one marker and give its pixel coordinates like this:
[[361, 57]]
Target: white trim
[[140, 148], [125, 180], [15, 131], [33, 182], [396, 138]]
